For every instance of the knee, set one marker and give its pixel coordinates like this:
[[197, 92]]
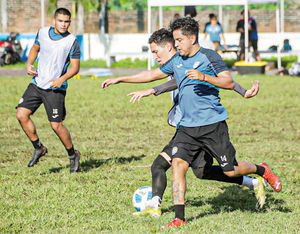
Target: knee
[[21, 115], [56, 126], [160, 164], [178, 163], [230, 173]]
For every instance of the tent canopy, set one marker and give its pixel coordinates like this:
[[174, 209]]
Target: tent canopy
[[156, 3], [279, 16]]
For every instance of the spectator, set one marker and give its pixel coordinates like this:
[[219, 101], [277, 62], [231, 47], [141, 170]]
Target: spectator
[[190, 11], [215, 32], [286, 46], [253, 37]]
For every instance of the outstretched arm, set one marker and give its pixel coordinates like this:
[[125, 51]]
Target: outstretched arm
[[157, 90], [225, 81], [142, 77]]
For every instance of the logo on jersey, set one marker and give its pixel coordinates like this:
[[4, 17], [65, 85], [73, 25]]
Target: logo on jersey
[[223, 164], [196, 65], [174, 150], [179, 65]]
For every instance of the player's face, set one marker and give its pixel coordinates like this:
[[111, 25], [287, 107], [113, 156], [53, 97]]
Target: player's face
[[183, 43], [62, 23], [161, 53]]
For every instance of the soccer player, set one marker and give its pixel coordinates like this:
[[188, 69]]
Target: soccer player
[[203, 124], [57, 49], [162, 46], [215, 32]]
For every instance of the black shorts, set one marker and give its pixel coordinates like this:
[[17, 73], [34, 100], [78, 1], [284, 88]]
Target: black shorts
[[53, 100], [201, 160], [213, 139]]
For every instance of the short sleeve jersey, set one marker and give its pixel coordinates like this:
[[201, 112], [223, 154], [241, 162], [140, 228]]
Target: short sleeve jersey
[[199, 101], [214, 32]]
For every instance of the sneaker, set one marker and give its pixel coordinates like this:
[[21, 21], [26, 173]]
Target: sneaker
[[271, 178], [175, 223], [36, 155], [75, 162], [260, 195], [154, 212]]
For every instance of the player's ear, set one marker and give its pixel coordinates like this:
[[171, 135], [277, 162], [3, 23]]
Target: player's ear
[[193, 38], [169, 46]]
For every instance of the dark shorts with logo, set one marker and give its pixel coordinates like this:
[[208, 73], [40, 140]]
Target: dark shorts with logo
[[213, 139], [53, 100], [201, 160]]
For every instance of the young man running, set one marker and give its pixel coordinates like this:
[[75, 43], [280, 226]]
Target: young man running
[[162, 46], [57, 48], [198, 72]]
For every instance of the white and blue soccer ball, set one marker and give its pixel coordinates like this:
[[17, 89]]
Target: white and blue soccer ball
[[140, 197]]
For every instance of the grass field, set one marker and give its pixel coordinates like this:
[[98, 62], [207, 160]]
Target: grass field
[[119, 141]]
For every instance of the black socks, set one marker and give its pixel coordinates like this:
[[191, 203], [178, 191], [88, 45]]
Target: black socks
[[37, 144], [260, 170], [179, 212]]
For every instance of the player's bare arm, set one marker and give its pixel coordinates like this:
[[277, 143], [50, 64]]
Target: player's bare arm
[[142, 77], [33, 53], [74, 69]]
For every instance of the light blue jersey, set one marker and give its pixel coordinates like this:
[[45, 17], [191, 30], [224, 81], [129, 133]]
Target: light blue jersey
[[199, 101], [214, 32]]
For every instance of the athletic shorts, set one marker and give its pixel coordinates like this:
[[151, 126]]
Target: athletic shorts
[[201, 160], [213, 139], [53, 100]]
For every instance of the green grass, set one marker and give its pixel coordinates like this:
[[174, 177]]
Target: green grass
[[119, 141]]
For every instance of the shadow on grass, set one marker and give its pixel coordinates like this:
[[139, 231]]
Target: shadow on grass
[[234, 198], [231, 199], [90, 164]]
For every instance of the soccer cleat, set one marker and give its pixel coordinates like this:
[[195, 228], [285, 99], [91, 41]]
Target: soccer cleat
[[271, 178], [37, 154], [154, 212], [260, 195], [175, 223], [75, 162]]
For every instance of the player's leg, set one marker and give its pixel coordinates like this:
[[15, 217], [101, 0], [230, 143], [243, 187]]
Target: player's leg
[[54, 102], [159, 168], [28, 104], [221, 148], [183, 152]]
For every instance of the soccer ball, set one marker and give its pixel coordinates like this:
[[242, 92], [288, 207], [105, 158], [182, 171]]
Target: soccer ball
[[141, 196]]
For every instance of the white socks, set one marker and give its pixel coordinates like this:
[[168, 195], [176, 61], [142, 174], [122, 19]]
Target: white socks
[[154, 202], [250, 182]]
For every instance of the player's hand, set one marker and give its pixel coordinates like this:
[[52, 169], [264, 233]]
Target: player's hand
[[108, 82], [137, 96], [253, 91], [30, 70], [57, 83], [195, 75]]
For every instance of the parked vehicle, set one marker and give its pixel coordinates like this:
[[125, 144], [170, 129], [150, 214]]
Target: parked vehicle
[[10, 50]]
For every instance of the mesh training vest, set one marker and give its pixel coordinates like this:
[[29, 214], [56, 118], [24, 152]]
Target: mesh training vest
[[52, 57]]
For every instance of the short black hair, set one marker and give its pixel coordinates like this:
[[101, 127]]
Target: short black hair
[[187, 25], [211, 15], [62, 11], [161, 37]]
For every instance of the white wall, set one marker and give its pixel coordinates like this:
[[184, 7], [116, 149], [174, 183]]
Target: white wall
[[130, 45]]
